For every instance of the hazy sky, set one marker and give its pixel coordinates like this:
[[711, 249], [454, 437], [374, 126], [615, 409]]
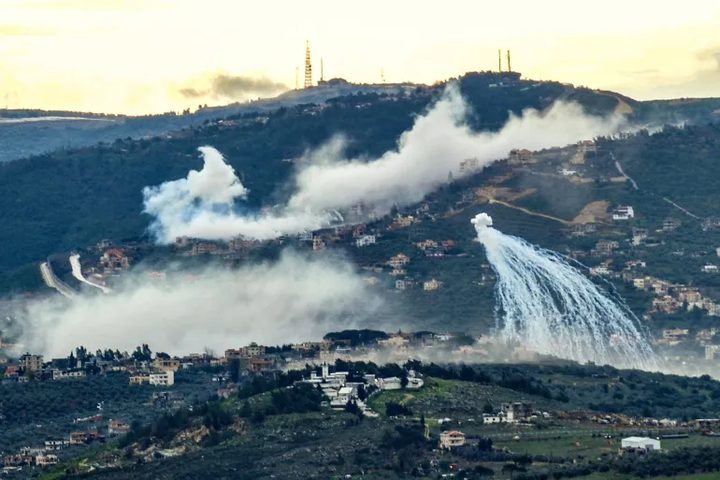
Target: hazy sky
[[140, 56]]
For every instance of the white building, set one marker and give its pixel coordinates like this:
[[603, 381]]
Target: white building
[[365, 240], [492, 418], [390, 383], [164, 379], [623, 212], [640, 443]]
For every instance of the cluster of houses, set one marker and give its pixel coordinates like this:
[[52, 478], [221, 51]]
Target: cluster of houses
[[47, 455], [342, 390], [27, 367]]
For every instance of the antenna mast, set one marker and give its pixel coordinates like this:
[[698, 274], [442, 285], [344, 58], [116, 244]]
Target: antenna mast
[[308, 66], [508, 61]]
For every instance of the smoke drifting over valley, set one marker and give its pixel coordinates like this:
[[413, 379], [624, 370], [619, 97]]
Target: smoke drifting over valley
[[293, 299], [235, 87], [327, 182]]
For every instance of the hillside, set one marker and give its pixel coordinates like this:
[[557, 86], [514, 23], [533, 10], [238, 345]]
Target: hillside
[[71, 199], [74, 197], [577, 416]]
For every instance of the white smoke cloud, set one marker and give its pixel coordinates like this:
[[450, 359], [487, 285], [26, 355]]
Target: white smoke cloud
[[294, 299], [425, 155]]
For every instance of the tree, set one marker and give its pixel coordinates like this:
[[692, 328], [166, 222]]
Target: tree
[[234, 369], [245, 411], [403, 380], [361, 392]]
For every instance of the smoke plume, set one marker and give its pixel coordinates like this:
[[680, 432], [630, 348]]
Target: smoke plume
[[295, 298], [235, 87], [328, 182]]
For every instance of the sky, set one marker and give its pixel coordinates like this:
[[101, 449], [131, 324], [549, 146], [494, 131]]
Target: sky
[[150, 56]]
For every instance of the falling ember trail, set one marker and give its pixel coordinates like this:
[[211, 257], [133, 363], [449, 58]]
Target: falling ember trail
[[549, 306]]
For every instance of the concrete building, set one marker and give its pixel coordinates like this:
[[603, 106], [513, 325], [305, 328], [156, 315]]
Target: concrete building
[[516, 411], [31, 363], [365, 240], [164, 379], [451, 439], [166, 364], [623, 212], [640, 443], [432, 285]]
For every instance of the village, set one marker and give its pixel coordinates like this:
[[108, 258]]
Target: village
[[326, 365]]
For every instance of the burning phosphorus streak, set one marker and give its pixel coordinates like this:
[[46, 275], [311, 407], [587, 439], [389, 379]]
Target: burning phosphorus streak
[[549, 306]]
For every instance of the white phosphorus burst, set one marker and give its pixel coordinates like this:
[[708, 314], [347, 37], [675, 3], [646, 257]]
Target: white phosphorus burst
[[547, 305]]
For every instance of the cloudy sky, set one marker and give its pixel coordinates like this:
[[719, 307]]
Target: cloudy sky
[[143, 56]]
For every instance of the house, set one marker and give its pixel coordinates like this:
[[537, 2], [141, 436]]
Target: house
[[31, 363], [12, 371], [623, 212], [520, 157], [640, 443], [709, 268], [164, 379], [260, 364], [68, 374], [403, 221], [492, 418], [398, 261], [318, 244], [516, 411], [343, 396], [600, 270], [116, 427], [390, 383], [166, 364], [51, 445], [139, 379], [432, 285], [426, 244], [17, 460], [638, 235], [675, 334], [469, 165], [46, 460], [605, 247], [79, 438], [115, 259], [249, 351], [365, 240], [451, 439], [305, 236]]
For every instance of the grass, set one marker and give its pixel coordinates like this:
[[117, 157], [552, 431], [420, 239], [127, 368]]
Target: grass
[[453, 399]]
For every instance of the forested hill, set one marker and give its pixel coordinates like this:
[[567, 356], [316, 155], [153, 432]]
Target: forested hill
[[74, 197]]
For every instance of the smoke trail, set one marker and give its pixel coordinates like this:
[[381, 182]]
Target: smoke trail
[[329, 182], [77, 273], [293, 299], [550, 307]]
